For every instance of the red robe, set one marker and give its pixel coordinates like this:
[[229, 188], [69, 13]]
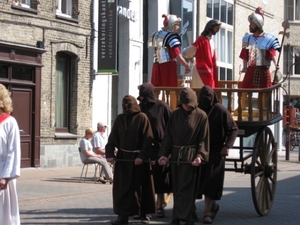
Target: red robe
[[165, 74], [206, 64]]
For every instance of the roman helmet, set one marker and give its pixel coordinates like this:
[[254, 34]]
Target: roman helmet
[[257, 17], [170, 21]]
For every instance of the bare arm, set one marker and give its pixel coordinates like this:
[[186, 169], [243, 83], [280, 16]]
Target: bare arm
[[182, 61], [91, 154], [99, 150], [275, 63], [191, 52], [245, 65]]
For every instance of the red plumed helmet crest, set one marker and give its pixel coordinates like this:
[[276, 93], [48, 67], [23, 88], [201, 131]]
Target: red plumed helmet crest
[[259, 11], [166, 20], [169, 21]]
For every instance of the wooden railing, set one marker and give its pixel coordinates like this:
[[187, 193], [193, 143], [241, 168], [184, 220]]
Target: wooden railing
[[245, 104]]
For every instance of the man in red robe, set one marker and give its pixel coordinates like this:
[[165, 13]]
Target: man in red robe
[[205, 71]]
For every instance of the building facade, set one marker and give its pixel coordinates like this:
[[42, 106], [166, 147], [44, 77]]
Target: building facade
[[292, 48], [45, 61], [49, 61]]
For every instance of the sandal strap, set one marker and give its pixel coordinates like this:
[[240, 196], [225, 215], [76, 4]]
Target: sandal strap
[[207, 219]]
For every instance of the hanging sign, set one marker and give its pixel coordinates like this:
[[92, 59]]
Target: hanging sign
[[107, 37]]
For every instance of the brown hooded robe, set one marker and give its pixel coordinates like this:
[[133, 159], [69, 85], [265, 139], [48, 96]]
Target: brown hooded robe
[[131, 134], [158, 113], [186, 137], [223, 132]]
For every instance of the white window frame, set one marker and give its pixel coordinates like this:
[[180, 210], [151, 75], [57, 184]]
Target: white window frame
[[69, 4], [292, 60], [193, 4], [26, 3], [292, 9], [23, 3], [225, 63]]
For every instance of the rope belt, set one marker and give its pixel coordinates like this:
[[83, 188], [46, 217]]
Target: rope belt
[[130, 151], [153, 161], [181, 148]]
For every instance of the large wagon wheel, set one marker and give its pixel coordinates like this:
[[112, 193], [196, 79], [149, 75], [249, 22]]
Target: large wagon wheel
[[264, 171]]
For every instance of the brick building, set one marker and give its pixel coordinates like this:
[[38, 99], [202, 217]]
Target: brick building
[[45, 61]]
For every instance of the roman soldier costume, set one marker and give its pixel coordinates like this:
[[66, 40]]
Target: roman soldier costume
[[258, 51], [166, 43]]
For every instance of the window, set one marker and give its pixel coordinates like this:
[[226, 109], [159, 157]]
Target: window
[[22, 73], [64, 8], [23, 3], [216, 9], [26, 3], [292, 9], [186, 11], [223, 10], [62, 92], [187, 16], [15, 73], [3, 71], [292, 60], [209, 8], [224, 42]]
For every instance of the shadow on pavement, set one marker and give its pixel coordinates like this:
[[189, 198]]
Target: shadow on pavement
[[236, 206], [69, 179]]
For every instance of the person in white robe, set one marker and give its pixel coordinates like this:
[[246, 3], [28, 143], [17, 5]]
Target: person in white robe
[[10, 156]]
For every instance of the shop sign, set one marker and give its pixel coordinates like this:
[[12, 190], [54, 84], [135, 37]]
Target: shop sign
[[107, 37]]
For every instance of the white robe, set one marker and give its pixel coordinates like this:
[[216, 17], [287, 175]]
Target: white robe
[[10, 156]]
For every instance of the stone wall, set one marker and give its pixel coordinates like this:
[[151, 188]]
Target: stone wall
[[27, 26], [294, 41], [59, 156]]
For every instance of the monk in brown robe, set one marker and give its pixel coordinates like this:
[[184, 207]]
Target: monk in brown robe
[[131, 134], [158, 113], [223, 132], [187, 140]]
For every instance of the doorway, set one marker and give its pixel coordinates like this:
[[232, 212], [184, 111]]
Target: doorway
[[20, 73]]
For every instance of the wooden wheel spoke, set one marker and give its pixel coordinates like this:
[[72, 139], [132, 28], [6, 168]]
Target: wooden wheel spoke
[[262, 196], [264, 171], [265, 153], [269, 189], [259, 182], [259, 188], [270, 155], [260, 165], [272, 180], [259, 174], [266, 196], [273, 166]]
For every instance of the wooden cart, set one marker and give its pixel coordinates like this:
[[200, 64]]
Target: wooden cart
[[254, 110]]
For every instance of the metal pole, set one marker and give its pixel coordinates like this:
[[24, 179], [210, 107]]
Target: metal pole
[[288, 113]]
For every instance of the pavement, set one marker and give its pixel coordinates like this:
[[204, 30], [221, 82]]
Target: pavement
[[55, 196]]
